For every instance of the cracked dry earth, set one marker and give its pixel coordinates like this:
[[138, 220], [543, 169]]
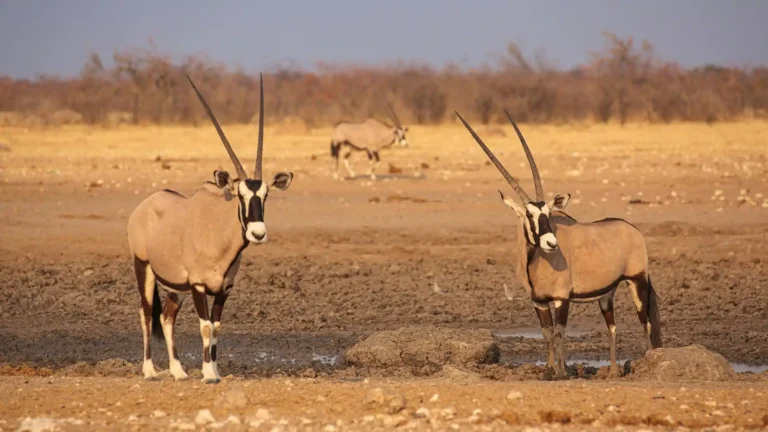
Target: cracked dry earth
[[430, 246]]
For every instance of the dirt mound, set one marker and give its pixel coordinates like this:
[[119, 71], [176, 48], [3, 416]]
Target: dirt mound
[[116, 367], [425, 347], [690, 363]]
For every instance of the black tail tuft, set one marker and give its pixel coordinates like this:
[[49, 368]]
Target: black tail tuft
[[653, 315], [157, 310]]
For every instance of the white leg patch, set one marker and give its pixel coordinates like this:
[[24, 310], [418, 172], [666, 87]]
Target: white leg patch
[[148, 369], [349, 168], [635, 297], [612, 329], [209, 371]]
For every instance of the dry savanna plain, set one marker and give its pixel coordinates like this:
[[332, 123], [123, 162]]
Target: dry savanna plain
[[429, 243]]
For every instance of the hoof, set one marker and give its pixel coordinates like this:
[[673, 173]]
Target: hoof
[[152, 378], [211, 380]]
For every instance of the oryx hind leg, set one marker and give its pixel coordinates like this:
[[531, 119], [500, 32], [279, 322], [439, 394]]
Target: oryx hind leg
[[606, 307], [171, 308], [639, 288], [145, 280], [206, 332], [335, 149]]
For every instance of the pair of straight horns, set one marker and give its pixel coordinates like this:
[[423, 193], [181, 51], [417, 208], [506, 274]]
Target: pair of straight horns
[[242, 175], [511, 180]]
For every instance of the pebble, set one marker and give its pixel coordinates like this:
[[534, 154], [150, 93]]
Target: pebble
[[185, 426], [514, 395], [159, 414], [204, 417], [435, 397], [422, 413], [391, 401]]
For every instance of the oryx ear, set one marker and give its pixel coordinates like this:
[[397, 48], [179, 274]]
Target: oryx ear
[[281, 180], [559, 202], [222, 179], [509, 202]]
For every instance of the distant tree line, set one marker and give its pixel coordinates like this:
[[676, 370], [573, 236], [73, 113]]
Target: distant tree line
[[623, 82]]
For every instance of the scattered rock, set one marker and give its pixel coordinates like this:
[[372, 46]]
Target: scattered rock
[[116, 367], [420, 346], [387, 400], [204, 417], [159, 414], [677, 228], [374, 200], [690, 363], [394, 169], [37, 424], [234, 398], [233, 419], [555, 416], [514, 395], [78, 369]]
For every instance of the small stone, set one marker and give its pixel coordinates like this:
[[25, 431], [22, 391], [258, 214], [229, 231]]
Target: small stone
[[132, 417], [233, 419], [88, 272], [395, 420], [421, 413], [718, 413], [234, 398], [329, 428], [37, 424], [204, 417], [185, 426], [710, 403], [435, 397], [514, 395], [390, 401], [262, 414], [159, 414]]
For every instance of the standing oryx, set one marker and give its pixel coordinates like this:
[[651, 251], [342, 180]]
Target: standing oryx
[[560, 260], [370, 136], [193, 245]]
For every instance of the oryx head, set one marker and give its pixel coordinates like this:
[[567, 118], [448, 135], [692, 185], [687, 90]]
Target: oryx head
[[534, 215], [398, 130], [252, 192]]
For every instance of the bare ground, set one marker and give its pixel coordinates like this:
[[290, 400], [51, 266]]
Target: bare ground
[[347, 258]]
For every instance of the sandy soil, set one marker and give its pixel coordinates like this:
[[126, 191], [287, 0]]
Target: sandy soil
[[346, 258]]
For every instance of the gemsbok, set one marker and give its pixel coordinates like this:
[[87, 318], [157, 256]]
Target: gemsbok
[[561, 260], [193, 245], [370, 136]]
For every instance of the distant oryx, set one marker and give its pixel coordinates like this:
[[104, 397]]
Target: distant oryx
[[560, 260], [193, 245], [370, 136]]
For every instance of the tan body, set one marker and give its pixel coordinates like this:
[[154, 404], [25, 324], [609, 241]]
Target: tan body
[[369, 136], [570, 272], [189, 241]]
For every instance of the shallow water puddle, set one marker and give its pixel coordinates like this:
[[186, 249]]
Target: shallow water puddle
[[534, 333]]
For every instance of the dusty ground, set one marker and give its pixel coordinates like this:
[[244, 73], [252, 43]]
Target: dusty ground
[[346, 258]]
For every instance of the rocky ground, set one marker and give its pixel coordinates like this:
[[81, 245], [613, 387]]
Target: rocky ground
[[428, 243]]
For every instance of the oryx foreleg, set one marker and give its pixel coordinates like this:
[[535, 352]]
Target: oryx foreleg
[[171, 308], [145, 279], [206, 332], [561, 321], [373, 158], [350, 171], [606, 307], [216, 310], [547, 329]]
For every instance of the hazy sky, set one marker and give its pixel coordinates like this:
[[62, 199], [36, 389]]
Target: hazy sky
[[55, 36]]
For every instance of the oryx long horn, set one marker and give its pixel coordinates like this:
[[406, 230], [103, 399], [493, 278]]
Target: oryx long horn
[[531, 162], [257, 171], [238, 167], [511, 180], [391, 113]]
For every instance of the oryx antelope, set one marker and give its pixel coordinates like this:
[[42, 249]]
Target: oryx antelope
[[561, 260], [370, 136], [192, 245]]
